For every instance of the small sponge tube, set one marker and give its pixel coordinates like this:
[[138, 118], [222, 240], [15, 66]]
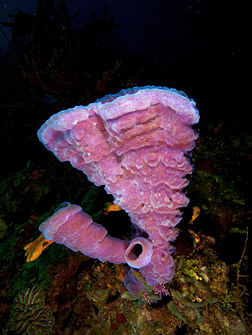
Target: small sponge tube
[[139, 252]]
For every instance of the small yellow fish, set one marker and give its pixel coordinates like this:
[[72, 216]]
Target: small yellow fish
[[111, 207], [35, 248], [195, 236], [196, 213]]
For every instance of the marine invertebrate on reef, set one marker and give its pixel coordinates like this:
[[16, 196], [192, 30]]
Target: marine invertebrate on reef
[[29, 315], [134, 143]]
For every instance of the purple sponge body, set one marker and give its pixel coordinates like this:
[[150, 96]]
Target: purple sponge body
[[135, 144], [78, 232]]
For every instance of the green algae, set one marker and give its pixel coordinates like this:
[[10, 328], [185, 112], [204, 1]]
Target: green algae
[[173, 309], [145, 294]]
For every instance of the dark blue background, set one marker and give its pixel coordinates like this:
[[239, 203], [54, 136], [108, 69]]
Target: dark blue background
[[200, 47]]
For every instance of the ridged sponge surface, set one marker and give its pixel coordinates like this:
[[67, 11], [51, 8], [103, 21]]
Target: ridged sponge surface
[[136, 144]]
